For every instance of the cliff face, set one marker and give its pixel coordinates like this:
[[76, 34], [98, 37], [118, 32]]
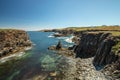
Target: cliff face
[[104, 48], [12, 41], [104, 54], [89, 43], [97, 45]]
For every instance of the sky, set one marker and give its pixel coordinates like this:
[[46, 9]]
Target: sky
[[48, 14]]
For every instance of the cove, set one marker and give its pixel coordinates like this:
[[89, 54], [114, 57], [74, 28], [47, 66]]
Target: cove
[[39, 61]]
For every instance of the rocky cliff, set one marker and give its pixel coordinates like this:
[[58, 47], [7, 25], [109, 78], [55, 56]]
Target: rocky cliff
[[102, 44], [89, 43], [12, 41], [104, 48]]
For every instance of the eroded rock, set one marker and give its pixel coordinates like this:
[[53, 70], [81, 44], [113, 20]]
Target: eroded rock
[[12, 41]]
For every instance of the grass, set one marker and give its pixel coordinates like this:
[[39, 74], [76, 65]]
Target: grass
[[116, 48], [104, 28], [114, 30], [10, 30]]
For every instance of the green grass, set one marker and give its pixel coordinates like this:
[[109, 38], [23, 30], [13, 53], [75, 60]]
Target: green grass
[[114, 30], [116, 48]]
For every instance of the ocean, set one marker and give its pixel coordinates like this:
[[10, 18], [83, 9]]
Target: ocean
[[37, 62]]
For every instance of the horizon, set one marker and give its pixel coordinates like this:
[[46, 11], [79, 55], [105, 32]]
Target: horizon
[[27, 29], [35, 15]]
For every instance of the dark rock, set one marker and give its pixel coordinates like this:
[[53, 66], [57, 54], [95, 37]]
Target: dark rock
[[72, 48], [103, 54], [88, 44], [97, 45], [58, 35], [59, 45]]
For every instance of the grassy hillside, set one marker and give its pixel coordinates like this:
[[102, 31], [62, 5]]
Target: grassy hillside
[[115, 30]]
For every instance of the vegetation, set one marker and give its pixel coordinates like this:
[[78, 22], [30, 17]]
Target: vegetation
[[101, 28], [9, 30], [115, 30], [116, 48]]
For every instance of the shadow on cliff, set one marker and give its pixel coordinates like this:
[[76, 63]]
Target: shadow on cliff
[[97, 45]]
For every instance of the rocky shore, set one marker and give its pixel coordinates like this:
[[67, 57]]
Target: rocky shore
[[13, 41], [94, 57]]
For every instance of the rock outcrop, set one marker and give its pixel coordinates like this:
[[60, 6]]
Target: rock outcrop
[[12, 41], [97, 45], [102, 44], [89, 43], [104, 48], [104, 54], [56, 47], [59, 45], [112, 70]]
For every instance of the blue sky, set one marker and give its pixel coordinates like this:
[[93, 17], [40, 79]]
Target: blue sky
[[42, 14]]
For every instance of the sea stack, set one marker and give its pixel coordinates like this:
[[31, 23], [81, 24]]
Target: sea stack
[[59, 45]]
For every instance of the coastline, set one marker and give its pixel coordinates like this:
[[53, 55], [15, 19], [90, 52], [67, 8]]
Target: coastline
[[78, 68], [13, 43], [91, 52], [14, 55]]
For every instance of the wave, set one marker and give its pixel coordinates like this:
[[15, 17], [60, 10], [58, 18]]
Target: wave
[[66, 39], [51, 35], [68, 45], [18, 54], [69, 39], [28, 48], [62, 37], [7, 58]]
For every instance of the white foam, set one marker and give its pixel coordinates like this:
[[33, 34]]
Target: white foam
[[69, 39], [4, 59], [18, 54], [33, 44], [28, 48], [51, 35], [62, 37]]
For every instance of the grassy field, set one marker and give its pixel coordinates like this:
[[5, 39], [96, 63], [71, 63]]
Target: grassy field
[[115, 30]]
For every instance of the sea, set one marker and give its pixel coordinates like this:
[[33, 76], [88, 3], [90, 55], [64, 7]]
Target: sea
[[38, 62]]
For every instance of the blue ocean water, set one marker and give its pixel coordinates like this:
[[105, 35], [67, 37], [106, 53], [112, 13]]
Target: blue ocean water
[[37, 61]]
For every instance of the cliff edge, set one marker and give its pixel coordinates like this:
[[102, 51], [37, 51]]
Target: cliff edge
[[12, 41]]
